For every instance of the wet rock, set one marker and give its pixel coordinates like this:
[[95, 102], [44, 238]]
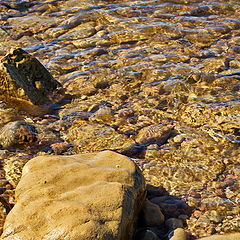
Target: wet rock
[[152, 214], [236, 49], [217, 115], [32, 23], [216, 66], [13, 167], [154, 134], [81, 86], [215, 217], [60, 147], [7, 115], [100, 200], [17, 134], [5, 203], [97, 137], [103, 114], [178, 234], [75, 111], [23, 76], [200, 38], [171, 206], [81, 31], [93, 53], [146, 235], [174, 223], [155, 191], [204, 225]]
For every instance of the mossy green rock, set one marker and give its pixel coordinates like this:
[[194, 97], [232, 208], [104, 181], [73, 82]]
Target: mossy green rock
[[23, 77]]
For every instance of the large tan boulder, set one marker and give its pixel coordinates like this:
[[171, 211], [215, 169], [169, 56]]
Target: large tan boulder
[[78, 197], [227, 236]]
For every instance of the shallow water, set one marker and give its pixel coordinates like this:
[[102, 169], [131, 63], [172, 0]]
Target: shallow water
[[150, 60], [172, 39]]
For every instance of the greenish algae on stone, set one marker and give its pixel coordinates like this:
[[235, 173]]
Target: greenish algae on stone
[[23, 77]]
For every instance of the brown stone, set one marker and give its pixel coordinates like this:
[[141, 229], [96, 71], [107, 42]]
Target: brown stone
[[152, 214], [157, 133], [146, 235], [174, 223], [17, 134]]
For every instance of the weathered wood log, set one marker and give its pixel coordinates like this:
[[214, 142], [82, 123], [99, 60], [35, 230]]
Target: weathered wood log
[[23, 77]]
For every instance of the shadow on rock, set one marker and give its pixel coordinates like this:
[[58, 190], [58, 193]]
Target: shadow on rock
[[161, 215]]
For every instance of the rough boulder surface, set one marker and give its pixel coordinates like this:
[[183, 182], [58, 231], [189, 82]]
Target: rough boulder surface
[[228, 236], [78, 197], [23, 77]]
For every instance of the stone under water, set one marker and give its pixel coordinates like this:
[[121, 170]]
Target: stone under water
[[17, 133]]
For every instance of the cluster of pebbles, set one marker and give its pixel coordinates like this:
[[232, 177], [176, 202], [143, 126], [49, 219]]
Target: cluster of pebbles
[[155, 80]]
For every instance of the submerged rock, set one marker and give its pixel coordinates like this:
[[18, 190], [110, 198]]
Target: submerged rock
[[85, 196], [158, 134], [98, 137], [146, 235], [23, 77], [17, 133]]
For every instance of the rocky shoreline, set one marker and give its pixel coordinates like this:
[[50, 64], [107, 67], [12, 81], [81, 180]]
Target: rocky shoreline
[[156, 81]]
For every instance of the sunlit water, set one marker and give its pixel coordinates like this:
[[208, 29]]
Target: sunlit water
[[172, 56]]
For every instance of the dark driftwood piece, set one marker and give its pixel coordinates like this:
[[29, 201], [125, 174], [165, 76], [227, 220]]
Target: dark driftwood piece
[[23, 77]]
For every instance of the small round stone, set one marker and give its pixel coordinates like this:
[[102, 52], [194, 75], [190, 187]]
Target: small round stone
[[152, 214], [146, 235], [174, 223], [17, 133]]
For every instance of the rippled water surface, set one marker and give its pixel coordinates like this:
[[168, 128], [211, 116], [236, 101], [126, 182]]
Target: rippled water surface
[[149, 61], [167, 39]]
